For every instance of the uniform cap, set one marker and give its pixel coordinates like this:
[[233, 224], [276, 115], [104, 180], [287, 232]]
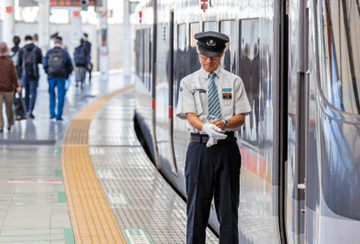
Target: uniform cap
[[54, 35], [86, 35], [211, 43]]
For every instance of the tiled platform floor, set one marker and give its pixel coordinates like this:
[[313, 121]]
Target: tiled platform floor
[[36, 211], [139, 196]]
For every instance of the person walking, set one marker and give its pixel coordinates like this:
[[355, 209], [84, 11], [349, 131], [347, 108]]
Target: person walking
[[57, 64], [82, 60], [88, 47], [20, 111], [29, 58], [8, 83], [214, 103]]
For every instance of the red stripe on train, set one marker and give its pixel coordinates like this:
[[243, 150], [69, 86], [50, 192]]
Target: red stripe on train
[[153, 104], [255, 164], [170, 112]]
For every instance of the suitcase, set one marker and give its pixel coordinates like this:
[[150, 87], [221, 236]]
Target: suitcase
[[19, 106]]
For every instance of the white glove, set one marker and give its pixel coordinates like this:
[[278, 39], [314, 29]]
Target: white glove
[[211, 142], [213, 131]]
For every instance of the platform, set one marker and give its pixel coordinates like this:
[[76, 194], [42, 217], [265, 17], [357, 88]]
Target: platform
[[85, 179]]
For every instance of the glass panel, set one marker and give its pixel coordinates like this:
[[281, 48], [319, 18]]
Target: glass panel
[[181, 64], [210, 26], [194, 58], [339, 66], [228, 63], [250, 73], [340, 33], [150, 59]]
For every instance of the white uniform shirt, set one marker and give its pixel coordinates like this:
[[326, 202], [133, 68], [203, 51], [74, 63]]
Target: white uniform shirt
[[193, 96]]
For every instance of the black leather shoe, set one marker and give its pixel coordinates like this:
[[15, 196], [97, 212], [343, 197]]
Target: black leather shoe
[[1, 129], [59, 119], [31, 116], [52, 117], [9, 127]]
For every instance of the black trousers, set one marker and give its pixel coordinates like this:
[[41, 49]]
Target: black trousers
[[212, 171]]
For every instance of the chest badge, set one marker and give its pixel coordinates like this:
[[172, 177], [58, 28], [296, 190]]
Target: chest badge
[[227, 96]]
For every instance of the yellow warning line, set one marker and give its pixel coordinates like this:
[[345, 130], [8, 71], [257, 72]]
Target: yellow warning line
[[90, 213]]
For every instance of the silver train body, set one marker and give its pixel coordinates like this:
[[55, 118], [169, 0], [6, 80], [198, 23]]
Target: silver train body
[[300, 63]]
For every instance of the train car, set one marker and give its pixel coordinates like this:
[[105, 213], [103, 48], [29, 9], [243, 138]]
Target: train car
[[299, 61]]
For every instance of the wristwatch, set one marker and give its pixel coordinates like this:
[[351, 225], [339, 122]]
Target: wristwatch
[[226, 123]]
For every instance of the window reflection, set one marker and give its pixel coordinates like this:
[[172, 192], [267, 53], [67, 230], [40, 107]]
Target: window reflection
[[250, 74], [228, 61], [181, 65], [194, 58], [339, 34], [210, 26]]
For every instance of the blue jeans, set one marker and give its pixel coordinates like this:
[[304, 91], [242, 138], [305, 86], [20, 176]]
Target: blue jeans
[[60, 84], [30, 86]]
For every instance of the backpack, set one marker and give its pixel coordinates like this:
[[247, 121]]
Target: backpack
[[80, 56], [14, 56], [29, 64], [56, 63]]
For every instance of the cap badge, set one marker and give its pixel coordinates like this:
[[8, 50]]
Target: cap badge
[[211, 43]]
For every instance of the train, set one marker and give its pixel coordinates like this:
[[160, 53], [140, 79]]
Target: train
[[300, 64]]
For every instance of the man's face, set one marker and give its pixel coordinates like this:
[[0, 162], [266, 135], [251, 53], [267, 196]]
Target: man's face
[[209, 64]]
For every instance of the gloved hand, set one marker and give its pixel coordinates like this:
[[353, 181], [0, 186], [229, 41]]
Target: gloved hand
[[211, 142], [213, 131]]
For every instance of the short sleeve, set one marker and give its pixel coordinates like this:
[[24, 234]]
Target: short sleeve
[[186, 101], [241, 101]]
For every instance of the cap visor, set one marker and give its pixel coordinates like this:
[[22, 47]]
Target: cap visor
[[208, 53]]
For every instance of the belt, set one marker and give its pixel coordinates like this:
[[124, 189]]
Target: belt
[[203, 138]]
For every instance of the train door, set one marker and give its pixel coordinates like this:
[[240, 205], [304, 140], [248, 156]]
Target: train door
[[171, 93], [297, 121]]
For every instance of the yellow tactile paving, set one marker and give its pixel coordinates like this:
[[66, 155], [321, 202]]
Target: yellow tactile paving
[[91, 216]]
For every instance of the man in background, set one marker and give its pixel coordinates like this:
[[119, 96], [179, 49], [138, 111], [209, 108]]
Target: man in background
[[88, 48], [29, 58], [58, 66], [52, 40]]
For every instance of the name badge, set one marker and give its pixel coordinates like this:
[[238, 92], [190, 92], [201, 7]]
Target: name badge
[[201, 90], [227, 96]]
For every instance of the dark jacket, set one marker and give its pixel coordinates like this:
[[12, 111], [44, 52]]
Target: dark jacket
[[14, 51], [88, 47], [86, 53], [67, 63], [30, 47], [8, 78]]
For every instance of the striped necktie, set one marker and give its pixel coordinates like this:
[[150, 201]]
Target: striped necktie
[[213, 98]]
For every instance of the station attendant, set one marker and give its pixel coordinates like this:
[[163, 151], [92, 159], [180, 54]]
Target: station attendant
[[215, 103]]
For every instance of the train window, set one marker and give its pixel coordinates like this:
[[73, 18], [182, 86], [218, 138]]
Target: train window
[[149, 51], [340, 29], [250, 73], [193, 55], [140, 54], [143, 57], [339, 68], [182, 63], [146, 54], [228, 27], [210, 26]]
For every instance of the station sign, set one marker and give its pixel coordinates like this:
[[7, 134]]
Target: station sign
[[71, 3], [205, 4], [60, 3]]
